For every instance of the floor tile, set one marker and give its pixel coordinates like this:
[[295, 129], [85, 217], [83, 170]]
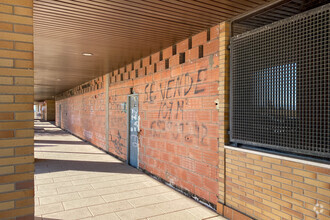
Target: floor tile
[[46, 209], [78, 203], [110, 207], [138, 213], [79, 181], [108, 216], [58, 198], [70, 214]]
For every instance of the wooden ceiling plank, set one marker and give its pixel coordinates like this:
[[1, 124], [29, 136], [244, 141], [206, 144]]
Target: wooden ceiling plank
[[118, 6], [132, 13], [115, 13], [113, 32], [230, 5], [73, 20], [103, 21], [153, 7]]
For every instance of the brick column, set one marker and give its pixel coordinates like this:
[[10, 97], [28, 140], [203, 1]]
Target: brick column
[[223, 105], [16, 110], [50, 110]]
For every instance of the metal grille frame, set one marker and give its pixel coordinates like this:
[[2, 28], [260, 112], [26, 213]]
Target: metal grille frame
[[279, 85]]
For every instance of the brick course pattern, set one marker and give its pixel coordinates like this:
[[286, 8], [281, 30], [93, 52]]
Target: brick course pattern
[[184, 111], [179, 120], [16, 110], [270, 188], [83, 112]]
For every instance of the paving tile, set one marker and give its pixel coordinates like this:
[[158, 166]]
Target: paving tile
[[47, 192], [120, 182], [180, 215], [151, 183], [121, 196], [217, 218], [70, 185], [91, 180], [155, 190], [110, 207], [78, 203], [69, 189], [176, 205], [36, 201], [50, 175], [77, 176], [108, 216], [141, 212], [110, 190], [70, 214], [172, 195], [148, 200], [58, 198], [53, 185], [46, 209], [202, 212], [43, 181]]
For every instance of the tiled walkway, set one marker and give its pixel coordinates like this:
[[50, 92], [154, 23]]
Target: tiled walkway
[[74, 180]]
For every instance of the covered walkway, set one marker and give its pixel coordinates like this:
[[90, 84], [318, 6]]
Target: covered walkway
[[74, 180]]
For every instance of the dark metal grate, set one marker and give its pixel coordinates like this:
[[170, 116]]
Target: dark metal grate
[[280, 85]]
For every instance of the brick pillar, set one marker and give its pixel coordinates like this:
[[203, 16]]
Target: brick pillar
[[223, 104], [50, 110], [16, 110]]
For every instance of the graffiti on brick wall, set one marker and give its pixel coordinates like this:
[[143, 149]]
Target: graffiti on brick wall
[[189, 130], [170, 111], [116, 104], [173, 87], [88, 134], [93, 103], [118, 116], [117, 141]]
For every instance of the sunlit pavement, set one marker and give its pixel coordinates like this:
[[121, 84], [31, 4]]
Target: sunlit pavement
[[74, 180]]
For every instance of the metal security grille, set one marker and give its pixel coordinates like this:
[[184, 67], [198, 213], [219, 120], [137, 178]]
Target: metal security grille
[[280, 85]]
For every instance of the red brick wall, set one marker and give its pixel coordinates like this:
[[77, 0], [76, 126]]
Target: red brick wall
[[179, 120], [84, 113]]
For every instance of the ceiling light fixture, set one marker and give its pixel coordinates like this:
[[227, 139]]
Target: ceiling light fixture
[[87, 54]]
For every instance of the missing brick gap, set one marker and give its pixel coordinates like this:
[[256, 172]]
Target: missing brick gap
[[160, 55], [150, 60], [167, 63], [182, 58], [141, 63], [145, 70], [200, 51], [189, 43], [132, 65], [155, 67], [121, 77], [208, 34], [136, 73], [174, 49]]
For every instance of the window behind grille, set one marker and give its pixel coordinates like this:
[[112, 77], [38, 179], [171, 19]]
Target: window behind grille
[[280, 85]]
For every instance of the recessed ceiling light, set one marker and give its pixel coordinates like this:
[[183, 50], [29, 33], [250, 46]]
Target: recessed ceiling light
[[87, 54]]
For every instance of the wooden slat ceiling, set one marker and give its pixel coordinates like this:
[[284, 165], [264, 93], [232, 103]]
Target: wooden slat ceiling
[[283, 10], [117, 32]]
